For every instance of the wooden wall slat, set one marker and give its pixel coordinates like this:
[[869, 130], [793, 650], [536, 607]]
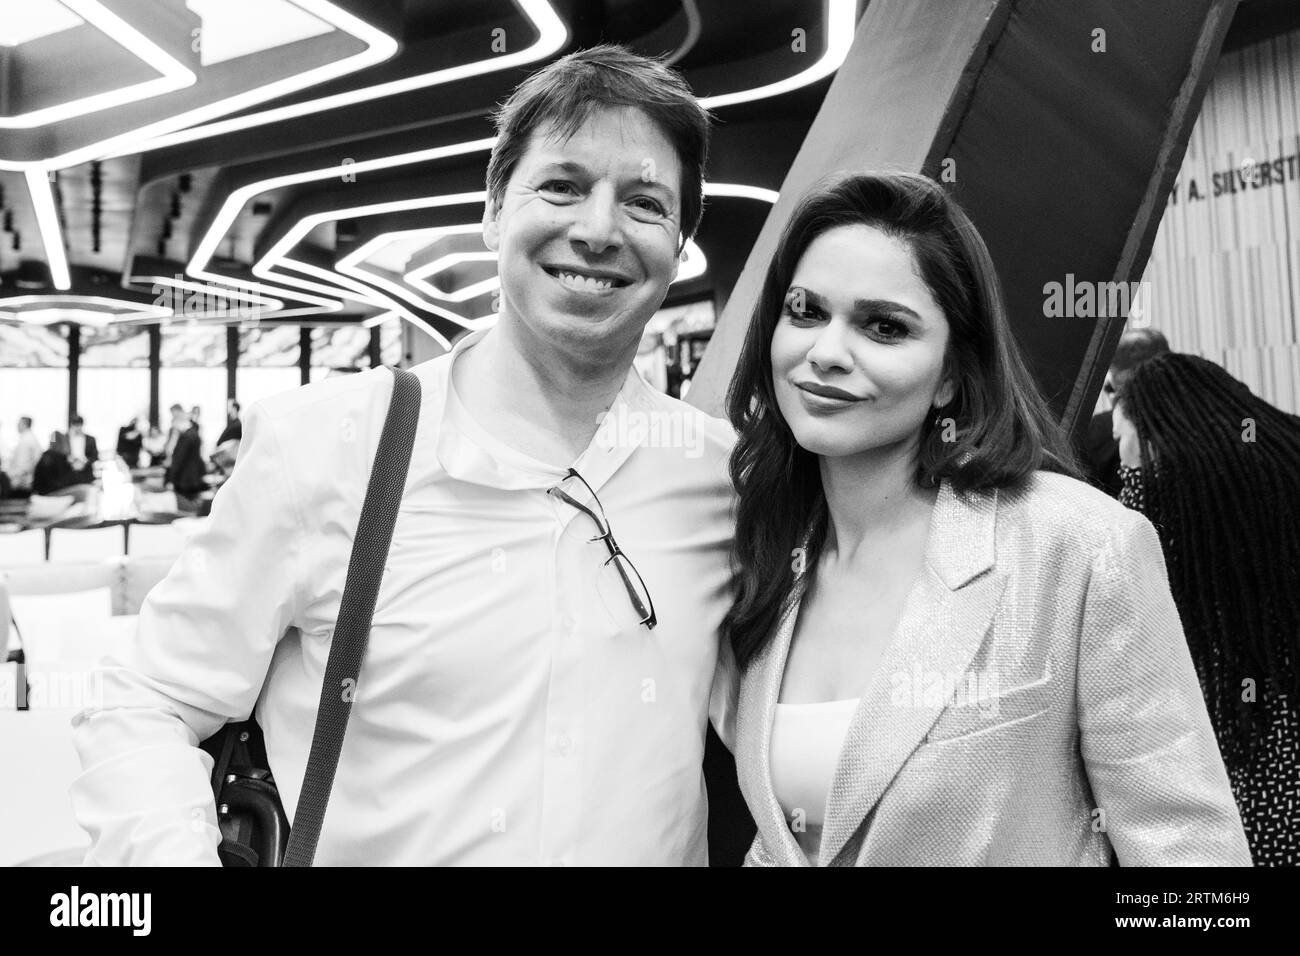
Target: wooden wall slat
[[1224, 274]]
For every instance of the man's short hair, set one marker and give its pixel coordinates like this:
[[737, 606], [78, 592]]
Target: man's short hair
[[25, 422], [176, 408], [76, 420], [1135, 347], [567, 91]]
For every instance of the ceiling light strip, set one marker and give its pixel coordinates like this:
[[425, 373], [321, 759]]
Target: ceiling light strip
[[379, 47], [552, 35], [175, 75], [47, 220], [839, 24]]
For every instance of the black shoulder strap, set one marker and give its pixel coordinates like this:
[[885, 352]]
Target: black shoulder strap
[[356, 608]]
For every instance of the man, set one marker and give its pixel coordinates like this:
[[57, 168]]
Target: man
[[180, 422], [185, 468], [234, 429], [1101, 451], [22, 460], [519, 703], [81, 450]]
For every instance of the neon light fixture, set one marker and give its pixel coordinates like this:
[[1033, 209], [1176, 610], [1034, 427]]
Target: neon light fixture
[[419, 278], [552, 34], [35, 19], [47, 220], [379, 47], [174, 74], [107, 309], [225, 34], [840, 23]]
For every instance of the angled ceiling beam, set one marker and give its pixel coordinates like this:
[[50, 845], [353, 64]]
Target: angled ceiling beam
[[1060, 127]]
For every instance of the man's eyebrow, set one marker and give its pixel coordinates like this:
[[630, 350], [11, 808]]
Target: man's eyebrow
[[577, 169], [866, 305], [564, 166]]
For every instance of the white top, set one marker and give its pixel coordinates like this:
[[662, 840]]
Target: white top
[[501, 717], [805, 750], [23, 459]]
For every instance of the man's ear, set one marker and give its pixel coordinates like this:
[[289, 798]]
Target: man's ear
[[491, 228], [682, 256]]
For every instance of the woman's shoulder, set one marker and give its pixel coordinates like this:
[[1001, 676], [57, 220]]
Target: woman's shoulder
[[1065, 508]]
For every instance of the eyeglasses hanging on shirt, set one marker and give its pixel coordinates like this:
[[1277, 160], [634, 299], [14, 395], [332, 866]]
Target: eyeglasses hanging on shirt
[[619, 581]]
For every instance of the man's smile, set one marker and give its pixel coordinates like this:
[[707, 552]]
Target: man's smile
[[592, 281]]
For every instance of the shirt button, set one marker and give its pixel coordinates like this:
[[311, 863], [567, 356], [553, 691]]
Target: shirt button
[[560, 747], [567, 623]]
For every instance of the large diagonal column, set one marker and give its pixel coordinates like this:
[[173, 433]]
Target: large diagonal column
[[1060, 127]]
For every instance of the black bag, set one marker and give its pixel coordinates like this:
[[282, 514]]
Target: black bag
[[254, 828]]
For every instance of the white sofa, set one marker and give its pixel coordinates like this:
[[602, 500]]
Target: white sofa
[[36, 753]]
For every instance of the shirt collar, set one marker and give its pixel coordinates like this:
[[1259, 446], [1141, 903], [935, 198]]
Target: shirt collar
[[464, 459]]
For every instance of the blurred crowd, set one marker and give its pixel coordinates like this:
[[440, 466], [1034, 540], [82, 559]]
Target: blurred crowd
[[69, 459]]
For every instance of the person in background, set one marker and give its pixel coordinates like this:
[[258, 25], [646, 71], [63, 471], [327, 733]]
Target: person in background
[[81, 450], [185, 468], [155, 447], [130, 440], [53, 472], [1215, 468], [22, 460], [180, 422], [234, 427], [1100, 454]]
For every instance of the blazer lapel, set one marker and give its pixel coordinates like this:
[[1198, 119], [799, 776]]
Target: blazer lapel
[[944, 620], [768, 815]]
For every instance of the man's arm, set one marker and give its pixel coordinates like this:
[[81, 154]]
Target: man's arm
[[1145, 736], [199, 658]]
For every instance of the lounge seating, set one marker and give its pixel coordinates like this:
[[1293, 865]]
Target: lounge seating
[[37, 827]]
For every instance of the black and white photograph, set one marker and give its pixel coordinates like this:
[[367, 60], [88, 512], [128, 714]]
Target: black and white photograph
[[651, 433]]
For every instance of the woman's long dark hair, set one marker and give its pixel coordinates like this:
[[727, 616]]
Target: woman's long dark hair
[[1004, 429], [1221, 483]]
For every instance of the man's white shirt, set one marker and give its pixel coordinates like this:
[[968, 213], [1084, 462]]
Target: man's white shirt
[[23, 459], [502, 715]]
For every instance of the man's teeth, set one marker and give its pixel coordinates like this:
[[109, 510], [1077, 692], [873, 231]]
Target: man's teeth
[[584, 283]]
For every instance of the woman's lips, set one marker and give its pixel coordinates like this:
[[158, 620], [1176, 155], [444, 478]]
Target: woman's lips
[[828, 392]]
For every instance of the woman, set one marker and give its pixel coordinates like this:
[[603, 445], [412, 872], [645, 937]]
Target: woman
[[1215, 470], [950, 656]]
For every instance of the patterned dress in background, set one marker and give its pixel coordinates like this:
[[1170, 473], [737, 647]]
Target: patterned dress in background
[[1266, 783]]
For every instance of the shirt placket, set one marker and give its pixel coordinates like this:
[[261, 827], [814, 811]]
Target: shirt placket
[[563, 806]]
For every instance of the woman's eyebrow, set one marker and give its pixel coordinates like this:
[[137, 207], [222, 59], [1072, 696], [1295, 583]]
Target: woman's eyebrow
[[861, 305], [885, 305]]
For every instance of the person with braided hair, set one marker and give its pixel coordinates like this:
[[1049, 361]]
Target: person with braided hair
[[1215, 468]]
